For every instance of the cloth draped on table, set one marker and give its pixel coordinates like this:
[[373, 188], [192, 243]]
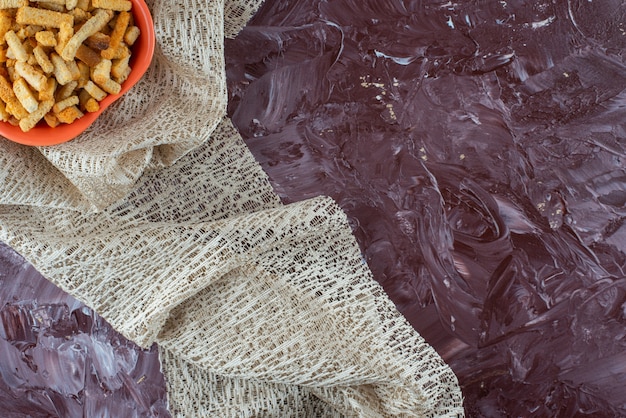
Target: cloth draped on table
[[160, 219]]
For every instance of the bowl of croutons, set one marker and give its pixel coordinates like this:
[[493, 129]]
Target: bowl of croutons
[[63, 62]]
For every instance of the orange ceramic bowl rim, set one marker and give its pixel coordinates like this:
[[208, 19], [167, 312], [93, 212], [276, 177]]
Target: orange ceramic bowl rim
[[142, 52]]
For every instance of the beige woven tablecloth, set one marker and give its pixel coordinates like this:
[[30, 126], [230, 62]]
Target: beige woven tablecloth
[[160, 219]]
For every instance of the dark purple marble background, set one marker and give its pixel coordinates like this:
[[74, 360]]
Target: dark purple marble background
[[60, 359], [478, 148]]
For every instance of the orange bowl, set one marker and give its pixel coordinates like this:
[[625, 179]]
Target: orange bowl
[[142, 52]]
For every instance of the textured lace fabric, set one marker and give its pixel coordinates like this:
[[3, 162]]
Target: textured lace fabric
[[160, 219]]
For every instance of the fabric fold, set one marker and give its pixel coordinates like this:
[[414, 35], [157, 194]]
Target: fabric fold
[[318, 322]]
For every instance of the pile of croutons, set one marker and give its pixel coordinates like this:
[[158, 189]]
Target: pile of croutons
[[61, 58]]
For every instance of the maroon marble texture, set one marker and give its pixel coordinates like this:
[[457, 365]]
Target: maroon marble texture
[[60, 359], [478, 148]]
